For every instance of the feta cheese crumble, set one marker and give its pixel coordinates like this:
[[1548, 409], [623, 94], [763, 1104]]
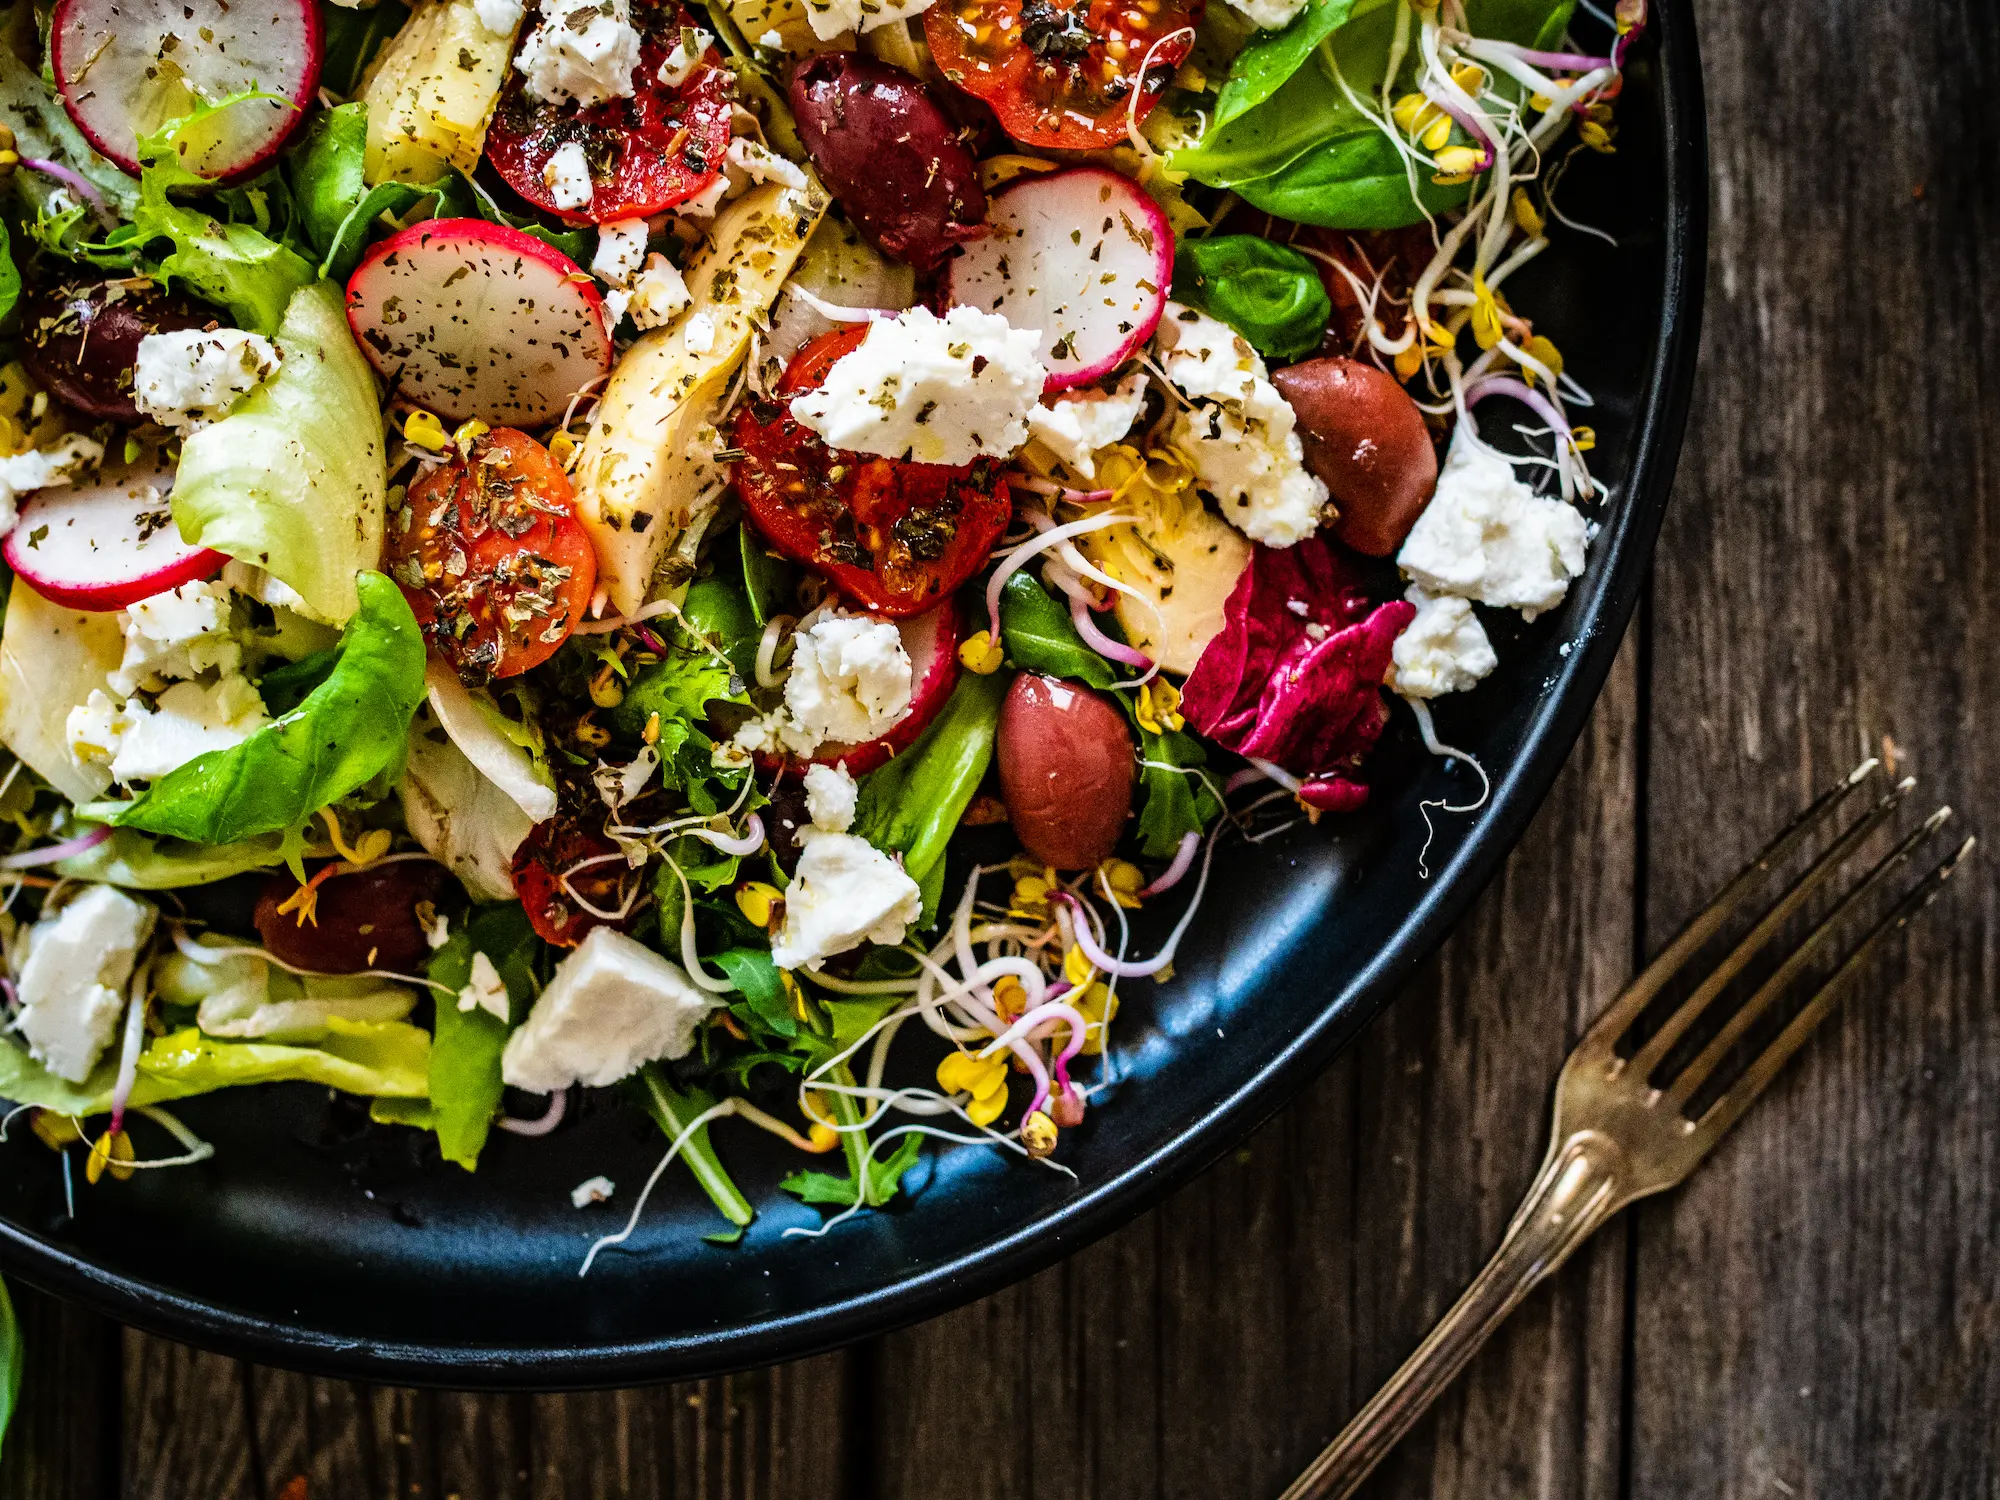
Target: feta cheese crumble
[[621, 250], [831, 795], [485, 990], [143, 743], [1074, 427], [849, 683], [658, 293], [678, 66], [498, 16], [191, 377], [72, 983], [829, 18], [937, 390], [1488, 537], [699, 335], [1240, 435], [612, 1004], [566, 174], [594, 1190], [845, 892], [747, 162], [586, 52], [177, 634], [1269, 15], [43, 469], [1443, 650]]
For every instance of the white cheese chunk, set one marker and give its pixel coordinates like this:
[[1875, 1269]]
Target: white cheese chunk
[[698, 337], [1240, 435], [831, 796], [142, 743], [500, 17], [1074, 427], [850, 682], [72, 984], [584, 50], [178, 634], [937, 390], [621, 250], [704, 203], [1269, 15], [43, 469], [748, 162], [1443, 650], [845, 892], [190, 377], [592, 1190], [678, 66], [485, 989], [829, 18], [612, 1005], [1488, 537], [566, 174], [658, 293]]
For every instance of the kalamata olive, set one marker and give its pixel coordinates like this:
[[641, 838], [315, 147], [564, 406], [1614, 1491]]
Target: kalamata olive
[[1066, 767], [1365, 438], [364, 920], [80, 339], [887, 152]]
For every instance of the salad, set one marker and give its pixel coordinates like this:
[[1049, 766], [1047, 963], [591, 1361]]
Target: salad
[[744, 552]]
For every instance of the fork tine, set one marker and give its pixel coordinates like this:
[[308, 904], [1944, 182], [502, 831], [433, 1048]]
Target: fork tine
[[1619, 1015], [1697, 1072], [1729, 1108], [1647, 1058]]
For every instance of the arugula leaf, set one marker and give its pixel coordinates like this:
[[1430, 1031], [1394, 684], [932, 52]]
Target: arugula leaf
[[678, 688], [912, 805], [1039, 637], [13, 1360], [293, 479], [672, 1110], [1274, 56], [335, 205], [352, 728], [465, 1085], [1174, 800], [765, 1006], [884, 1178], [234, 265], [352, 38]]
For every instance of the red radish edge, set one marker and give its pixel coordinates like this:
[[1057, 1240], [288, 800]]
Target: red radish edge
[[1143, 216], [100, 586], [931, 642], [506, 240], [301, 98]]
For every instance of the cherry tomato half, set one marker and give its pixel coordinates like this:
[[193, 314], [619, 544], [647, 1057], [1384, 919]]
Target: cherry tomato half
[[646, 153], [894, 537], [492, 557], [559, 846], [1061, 72]]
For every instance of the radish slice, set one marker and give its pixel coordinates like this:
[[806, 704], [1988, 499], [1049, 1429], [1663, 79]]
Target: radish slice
[[471, 319], [127, 67], [1083, 255], [106, 544], [931, 642]]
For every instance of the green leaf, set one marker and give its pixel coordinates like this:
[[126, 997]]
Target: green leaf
[[766, 1006], [885, 1178], [673, 1110], [352, 728], [719, 608], [1267, 292], [577, 244], [1039, 637], [335, 205], [293, 479], [351, 39], [1356, 180], [1272, 57], [770, 580], [13, 1360], [912, 805], [1174, 801], [289, 684], [140, 862], [678, 688], [465, 1085], [234, 265], [10, 275]]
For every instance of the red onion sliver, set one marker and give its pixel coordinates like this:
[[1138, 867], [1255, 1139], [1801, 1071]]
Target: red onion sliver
[[49, 854]]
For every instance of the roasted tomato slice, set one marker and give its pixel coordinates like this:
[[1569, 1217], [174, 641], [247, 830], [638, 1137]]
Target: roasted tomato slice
[[1061, 72], [894, 537], [492, 557], [596, 871], [646, 153]]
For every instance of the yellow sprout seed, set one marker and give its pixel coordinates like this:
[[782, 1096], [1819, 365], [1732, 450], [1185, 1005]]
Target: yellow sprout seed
[[422, 430]]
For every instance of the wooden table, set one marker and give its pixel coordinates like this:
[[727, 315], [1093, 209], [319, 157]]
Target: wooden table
[[1816, 1315]]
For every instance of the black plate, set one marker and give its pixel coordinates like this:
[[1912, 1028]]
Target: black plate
[[300, 1245]]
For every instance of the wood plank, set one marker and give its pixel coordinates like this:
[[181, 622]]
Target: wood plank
[[186, 1433], [1212, 1347], [63, 1444], [1815, 1311]]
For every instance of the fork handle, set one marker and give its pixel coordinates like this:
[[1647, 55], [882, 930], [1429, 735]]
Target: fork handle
[[1578, 1188]]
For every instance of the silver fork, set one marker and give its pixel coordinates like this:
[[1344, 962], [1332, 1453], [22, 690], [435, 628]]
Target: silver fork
[[1619, 1134]]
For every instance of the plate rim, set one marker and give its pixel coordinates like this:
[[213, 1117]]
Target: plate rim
[[1113, 1201]]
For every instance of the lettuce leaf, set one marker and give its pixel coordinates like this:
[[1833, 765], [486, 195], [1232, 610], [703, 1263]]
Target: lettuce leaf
[[140, 862], [465, 1085], [351, 729], [293, 479], [13, 1359], [335, 206], [357, 1057]]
